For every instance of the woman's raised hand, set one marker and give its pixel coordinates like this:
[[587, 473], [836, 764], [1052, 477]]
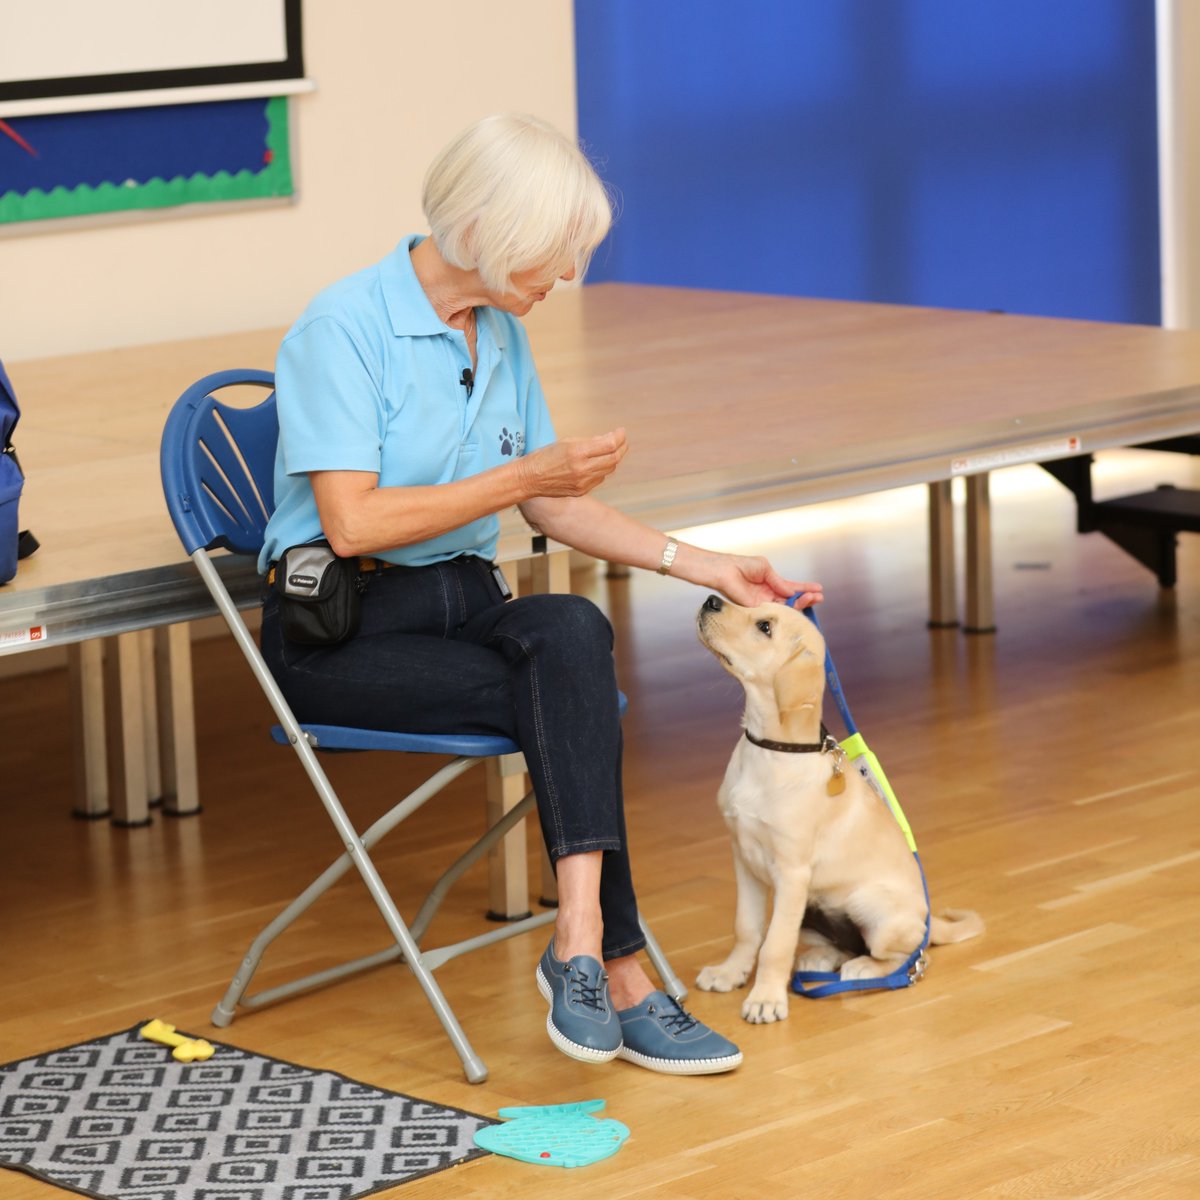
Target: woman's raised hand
[[572, 466]]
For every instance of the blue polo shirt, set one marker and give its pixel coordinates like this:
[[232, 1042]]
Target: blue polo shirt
[[368, 379]]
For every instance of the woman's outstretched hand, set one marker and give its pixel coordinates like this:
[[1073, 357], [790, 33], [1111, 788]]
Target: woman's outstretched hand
[[751, 580]]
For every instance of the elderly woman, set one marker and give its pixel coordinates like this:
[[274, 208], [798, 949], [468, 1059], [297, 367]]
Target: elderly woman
[[411, 414]]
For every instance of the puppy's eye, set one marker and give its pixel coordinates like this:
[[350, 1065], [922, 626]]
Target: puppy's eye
[[764, 627]]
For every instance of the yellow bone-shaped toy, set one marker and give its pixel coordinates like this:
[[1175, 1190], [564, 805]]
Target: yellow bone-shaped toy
[[185, 1049]]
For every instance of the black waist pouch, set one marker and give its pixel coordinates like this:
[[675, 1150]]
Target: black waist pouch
[[319, 594]]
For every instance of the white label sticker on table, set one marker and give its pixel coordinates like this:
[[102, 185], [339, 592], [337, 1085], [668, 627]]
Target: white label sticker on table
[[972, 464], [21, 637]]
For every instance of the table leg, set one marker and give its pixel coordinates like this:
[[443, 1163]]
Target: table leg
[[508, 884], [549, 896], [85, 674], [123, 702], [981, 601], [552, 573], [943, 604], [176, 720], [508, 863], [150, 729]]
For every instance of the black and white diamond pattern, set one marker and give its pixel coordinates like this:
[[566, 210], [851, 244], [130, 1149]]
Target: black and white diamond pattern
[[119, 1119]]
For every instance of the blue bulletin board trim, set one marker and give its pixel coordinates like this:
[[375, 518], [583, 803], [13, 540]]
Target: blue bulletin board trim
[[243, 154]]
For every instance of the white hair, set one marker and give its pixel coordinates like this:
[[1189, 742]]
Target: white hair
[[512, 193]]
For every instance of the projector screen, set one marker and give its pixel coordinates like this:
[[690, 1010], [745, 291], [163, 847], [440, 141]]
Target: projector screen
[[72, 55]]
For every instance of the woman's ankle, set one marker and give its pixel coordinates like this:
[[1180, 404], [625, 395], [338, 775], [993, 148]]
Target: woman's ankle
[[579, 935], [628, 983]]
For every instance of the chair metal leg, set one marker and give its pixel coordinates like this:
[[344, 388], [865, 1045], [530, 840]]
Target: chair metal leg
[[405, 945], [672, 984], [473, 1065], [235, 996], [495, 833]]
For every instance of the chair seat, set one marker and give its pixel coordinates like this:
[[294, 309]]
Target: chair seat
[[466, 745], [345, 737]]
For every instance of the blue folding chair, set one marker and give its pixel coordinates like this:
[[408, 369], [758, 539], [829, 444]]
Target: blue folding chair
[[217, 465]]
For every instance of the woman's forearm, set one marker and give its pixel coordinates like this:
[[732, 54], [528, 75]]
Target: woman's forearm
[[589, 525], [593, 527], [360, 517]]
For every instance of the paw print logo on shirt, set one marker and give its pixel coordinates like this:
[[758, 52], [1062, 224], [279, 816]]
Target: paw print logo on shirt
[[512, 443]]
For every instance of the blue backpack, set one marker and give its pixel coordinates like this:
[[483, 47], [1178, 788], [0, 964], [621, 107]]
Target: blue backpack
[[15, 543]]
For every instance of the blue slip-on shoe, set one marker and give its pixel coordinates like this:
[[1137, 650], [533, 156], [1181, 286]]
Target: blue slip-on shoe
[[581, 1021], [661, 1036]]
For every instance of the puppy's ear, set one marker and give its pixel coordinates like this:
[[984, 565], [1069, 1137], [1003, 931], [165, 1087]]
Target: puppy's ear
[[798, 682]]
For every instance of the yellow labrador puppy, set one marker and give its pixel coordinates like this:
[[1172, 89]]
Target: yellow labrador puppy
[[806, 826]]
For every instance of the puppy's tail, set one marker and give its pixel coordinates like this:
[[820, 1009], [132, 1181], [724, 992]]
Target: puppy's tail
[[955, 925]]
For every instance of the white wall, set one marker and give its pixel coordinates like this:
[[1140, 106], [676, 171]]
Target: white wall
[[1178, 24], [395, 81]]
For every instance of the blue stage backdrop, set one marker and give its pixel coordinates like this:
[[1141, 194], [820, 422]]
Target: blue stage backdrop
[[984, 154]]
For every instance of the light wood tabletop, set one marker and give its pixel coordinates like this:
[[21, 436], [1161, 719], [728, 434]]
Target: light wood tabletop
[[734, 403], [737, 403]]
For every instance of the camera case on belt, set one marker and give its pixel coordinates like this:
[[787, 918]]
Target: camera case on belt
[[319, 594]]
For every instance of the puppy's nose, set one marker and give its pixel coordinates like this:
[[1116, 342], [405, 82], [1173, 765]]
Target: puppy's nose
[[713, 604]]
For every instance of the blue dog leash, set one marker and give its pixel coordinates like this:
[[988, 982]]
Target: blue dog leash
[[818, 984]]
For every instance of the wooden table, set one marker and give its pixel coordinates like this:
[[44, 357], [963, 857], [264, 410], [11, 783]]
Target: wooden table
[[734, 403], [110, 565], [738, 404]]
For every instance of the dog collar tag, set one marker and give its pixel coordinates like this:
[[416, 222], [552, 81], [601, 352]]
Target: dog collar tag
[[837, 781]]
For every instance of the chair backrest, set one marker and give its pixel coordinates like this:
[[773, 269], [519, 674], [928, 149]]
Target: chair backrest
[[218, 465]]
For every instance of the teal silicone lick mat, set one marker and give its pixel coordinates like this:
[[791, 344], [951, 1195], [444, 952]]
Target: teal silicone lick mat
[[555, 1135]]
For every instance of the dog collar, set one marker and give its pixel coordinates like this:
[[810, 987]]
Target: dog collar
[[824, 746]]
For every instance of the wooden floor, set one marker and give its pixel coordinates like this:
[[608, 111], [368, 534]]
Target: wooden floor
[[1051, 776]]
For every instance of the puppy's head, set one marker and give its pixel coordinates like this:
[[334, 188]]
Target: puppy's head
[[769, 649]]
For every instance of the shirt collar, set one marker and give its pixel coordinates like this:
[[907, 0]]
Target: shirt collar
[[408, 307]]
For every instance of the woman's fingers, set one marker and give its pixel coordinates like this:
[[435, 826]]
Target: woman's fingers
[[574, 466], [606, 450], [810, 594]]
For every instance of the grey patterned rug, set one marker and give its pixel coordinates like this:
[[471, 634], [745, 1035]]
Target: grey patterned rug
[[118, 1118]]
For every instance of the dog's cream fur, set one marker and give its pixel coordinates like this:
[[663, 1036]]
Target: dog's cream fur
[[844, 854]]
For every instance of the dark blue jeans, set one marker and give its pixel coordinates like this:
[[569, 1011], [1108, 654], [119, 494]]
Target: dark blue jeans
[[439, 651]]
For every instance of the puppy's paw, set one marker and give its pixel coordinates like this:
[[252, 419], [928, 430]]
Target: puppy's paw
[[765, 1005], [723, 978], [865, 967], [820, 958]]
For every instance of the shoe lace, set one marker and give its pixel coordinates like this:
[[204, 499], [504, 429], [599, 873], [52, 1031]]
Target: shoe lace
[[590, 995], [675, 1019]]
